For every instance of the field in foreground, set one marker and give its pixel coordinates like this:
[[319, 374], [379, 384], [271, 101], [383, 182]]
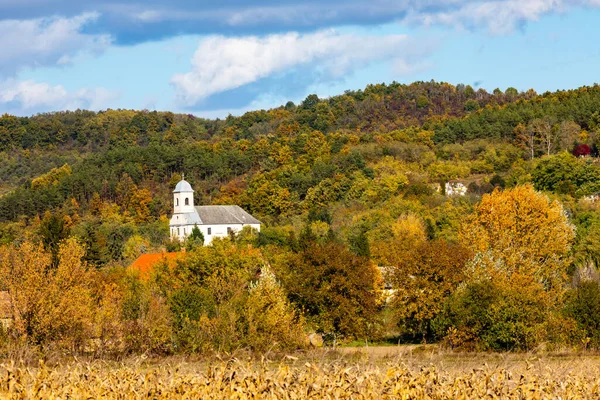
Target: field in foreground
[[377, 373]]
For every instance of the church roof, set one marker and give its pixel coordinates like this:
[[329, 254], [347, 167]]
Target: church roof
[[183, 186], [214, 215]]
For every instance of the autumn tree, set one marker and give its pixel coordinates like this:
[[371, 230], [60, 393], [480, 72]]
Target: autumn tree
[[146, 320], [267, 196], [407, 232], [524, 231], [426, 276], [521, 241], [223, 297], [542, 133], [272, 321], [568, 135], [51, 306], [582, 150], [335, 288]]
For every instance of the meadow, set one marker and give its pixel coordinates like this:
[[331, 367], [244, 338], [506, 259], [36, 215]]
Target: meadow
[[403, 372]]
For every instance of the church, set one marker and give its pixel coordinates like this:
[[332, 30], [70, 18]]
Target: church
[[213, 221]]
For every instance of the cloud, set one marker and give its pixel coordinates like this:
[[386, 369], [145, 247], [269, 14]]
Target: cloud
[[497, 17], [27, 97], [222, 64], [46, 41], [136, 21]]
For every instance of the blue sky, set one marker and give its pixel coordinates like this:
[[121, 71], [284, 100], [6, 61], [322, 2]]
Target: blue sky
[[213, 58]]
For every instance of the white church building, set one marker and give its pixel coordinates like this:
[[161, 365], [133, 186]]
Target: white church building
[[213, 221]]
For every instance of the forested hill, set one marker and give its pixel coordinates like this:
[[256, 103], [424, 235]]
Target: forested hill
[[356, 153], [394, 176]]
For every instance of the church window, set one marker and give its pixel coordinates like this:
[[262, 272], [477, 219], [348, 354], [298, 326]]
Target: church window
[[184, 231], [178, 232], [208, 231], [176, 202], [187, 201], [229, 230]]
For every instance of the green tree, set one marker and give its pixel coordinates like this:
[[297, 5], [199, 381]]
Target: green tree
[[565, 174], [583, 305], [53, 230], [195, 239]]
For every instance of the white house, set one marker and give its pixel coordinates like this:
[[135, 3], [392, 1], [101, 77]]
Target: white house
[[213, 221], [454, 188]]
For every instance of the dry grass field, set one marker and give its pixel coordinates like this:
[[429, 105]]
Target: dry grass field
[[376, 373]]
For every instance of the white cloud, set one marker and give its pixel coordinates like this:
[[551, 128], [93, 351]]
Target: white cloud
[[221, 63], [30, 96], [46, 41], [496, 16]]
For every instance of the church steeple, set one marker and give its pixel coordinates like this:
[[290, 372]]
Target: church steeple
[[183, 197]]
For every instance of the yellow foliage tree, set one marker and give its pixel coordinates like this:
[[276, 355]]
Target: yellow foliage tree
[[52, 177], [51, 306], [272, 321], [408, 232], [135, 246], [521, 241], [522, 232], [140, 203]]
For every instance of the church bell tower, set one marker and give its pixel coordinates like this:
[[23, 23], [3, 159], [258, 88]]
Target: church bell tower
[[183, 198]]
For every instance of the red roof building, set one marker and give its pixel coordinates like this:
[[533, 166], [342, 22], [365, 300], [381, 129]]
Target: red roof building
[[146, 262]]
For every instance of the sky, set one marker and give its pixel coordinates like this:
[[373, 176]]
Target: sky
[[215, 58]]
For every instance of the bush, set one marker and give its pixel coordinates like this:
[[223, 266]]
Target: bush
[[222, 298], [487, 316], [583, 305]]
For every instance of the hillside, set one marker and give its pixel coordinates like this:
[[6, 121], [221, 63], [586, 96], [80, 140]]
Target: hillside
[[356, 178], [285, 161]]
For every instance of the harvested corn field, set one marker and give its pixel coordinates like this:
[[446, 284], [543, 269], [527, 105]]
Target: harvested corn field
[[329, 376]]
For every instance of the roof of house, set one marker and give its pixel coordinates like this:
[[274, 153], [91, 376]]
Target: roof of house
[[145, 263], [5, 305], [183, 186], [214, 215]]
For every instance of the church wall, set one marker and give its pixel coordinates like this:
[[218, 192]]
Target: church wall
[[220, 230]]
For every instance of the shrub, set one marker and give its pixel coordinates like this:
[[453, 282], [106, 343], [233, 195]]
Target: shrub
[[583, 305], [488, 316]]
